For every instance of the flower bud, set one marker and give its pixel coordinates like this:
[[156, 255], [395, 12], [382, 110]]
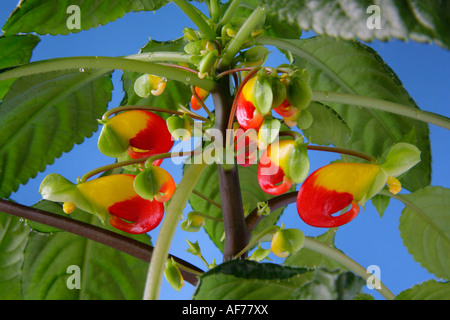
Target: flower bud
[[287, 241], [255, 56], [278, 91], [173, 275], [207, 62], [262, 91], [193, 222], [299, 93], [268, 132], [260, 254], [194, 248], [179, 127], [148, 84], [400, 158], [297, 163], [154, 183], [304, 119]]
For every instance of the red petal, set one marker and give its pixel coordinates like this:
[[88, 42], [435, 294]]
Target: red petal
[[275, 183], [316, 205], [285, 109], [144, 215], [247, 115], [155, 138]]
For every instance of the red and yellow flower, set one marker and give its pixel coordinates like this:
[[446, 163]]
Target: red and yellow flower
[[112, 196], [247, 115], [345, 186], [333, 188], [245, 146], [139, 133]]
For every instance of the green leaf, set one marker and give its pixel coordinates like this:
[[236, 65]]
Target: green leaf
[[422, 21], [350, 66], [327, 126], [14, 51], [428, 290], [331, 285], [306, 258], [13, 239], [105, 273], [48, 113], [425, 228], [380, 202], [208, 185], [53, 17], [249, 280]]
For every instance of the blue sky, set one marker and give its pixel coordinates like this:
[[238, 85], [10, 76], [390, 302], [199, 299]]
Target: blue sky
[[369, 239]]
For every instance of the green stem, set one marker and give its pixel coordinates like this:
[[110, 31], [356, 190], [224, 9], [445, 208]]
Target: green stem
[[241, 37], [198, 20], [147, 160], [254, 241], [346, 261], [214, 10], [382, 105], [108, 63], [108, 113], [201, 195], [350, 152], [202, 103], [204, 215], [161, 56], [169, 225], [228, 15]]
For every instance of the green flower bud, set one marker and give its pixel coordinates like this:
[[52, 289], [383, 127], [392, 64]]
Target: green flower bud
[[193, 222], [299, 93], [190, 34], [255, 56], [287, 241], [110, 144], [268, 132], [154, 183], [304, 119], [179, 127], [147, 85], [173, 275], [194, 248], [207, 62], [260, 254], [262, 91], [297, 164], [400, 158], [278, 91]]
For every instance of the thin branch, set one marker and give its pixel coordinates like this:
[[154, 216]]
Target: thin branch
[[114, 240], [275, 203]]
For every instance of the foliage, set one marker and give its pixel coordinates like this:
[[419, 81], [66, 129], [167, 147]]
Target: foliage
[[340, 97]]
